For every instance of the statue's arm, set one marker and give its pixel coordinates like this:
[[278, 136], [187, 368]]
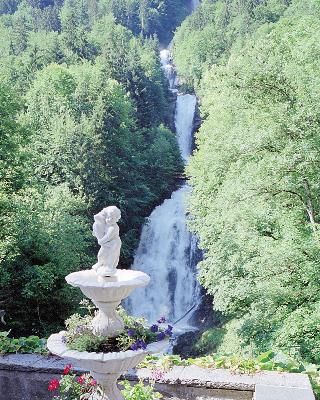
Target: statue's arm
[[112, 233]]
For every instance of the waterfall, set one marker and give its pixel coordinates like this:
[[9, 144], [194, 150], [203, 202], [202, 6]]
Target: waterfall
[[185, 109], [194, 4], [167, 66], [167, 250]]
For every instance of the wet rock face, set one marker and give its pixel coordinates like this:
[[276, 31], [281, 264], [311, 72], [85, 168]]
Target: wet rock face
[[203, 318], [197, 118], [197, 121], [184, 345], [172, 99]]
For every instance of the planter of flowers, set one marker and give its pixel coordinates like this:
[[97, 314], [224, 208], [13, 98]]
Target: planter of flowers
[[108, 357]]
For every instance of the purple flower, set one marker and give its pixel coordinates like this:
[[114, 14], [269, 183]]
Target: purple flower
[[161, 336], [131, 332], [162, 320], [80, 329], [139, 344], [142, 344], [134, 346], [154, 328], [170, 327]]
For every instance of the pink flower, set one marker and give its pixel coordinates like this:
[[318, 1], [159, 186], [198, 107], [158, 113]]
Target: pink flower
[[53, 385], [81, 379], [67, 369], [93, 382], [157, 374]]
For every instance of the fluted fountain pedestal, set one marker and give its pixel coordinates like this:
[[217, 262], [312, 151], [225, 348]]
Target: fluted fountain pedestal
[[109, 385], [106, 293], [107, 322]]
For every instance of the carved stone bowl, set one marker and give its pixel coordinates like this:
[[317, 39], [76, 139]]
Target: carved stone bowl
[[108, 289], [106, 294], [106, 368]]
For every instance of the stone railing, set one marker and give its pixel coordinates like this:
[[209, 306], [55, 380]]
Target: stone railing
[[26, 377]]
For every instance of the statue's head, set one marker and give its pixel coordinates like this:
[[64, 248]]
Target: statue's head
[[112, 214], [98, 217]]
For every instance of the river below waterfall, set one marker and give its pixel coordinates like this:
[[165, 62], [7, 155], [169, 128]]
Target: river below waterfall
[[167, 250]]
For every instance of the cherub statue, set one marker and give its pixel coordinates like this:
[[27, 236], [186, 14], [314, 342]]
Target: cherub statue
[[106, 230]]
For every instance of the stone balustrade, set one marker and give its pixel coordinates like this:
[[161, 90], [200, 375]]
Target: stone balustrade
[[26, 377]]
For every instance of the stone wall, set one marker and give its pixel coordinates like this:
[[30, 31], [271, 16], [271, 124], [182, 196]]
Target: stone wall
[[26, 377]]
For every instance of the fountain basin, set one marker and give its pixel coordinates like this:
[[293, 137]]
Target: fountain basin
[[103, 362], [107, 293], [118, 286], [106, 368]]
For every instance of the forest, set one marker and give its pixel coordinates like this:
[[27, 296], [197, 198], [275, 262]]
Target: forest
[[255, 172], [84, 124]]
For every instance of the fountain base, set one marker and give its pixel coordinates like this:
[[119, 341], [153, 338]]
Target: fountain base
[[106, 368]]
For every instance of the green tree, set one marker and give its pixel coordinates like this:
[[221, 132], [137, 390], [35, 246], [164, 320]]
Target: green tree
[[255, 183], [43, 234], [75, 25], [206, 37], [81, 128]]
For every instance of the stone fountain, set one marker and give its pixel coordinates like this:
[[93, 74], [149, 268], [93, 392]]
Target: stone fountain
[[106, 286]]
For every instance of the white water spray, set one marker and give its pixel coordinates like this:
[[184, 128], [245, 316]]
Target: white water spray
[[167, 250], [166, 253], [167, 66], [194, 4], [185, 109]]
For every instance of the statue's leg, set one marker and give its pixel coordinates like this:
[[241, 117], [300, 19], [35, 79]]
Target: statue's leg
[[100, 256]]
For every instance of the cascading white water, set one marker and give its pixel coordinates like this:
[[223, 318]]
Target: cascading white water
[[167, 250], [194, 4], [168, 68], [185, 109], [166, 253]]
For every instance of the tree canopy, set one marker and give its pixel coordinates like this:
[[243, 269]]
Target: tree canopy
[[83, 105], [255, 173]]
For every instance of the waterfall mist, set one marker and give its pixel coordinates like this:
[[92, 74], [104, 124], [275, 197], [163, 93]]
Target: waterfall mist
[[167, 250]]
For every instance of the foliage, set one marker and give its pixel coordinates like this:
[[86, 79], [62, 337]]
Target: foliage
[[139, 391], [73, 387], [136, 334], [79, 335], [84, 387], [30, 344], [142, 17], [49, 242], [83, 100], [255, 173], [208, 35], [209, 341], [268, 361]]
